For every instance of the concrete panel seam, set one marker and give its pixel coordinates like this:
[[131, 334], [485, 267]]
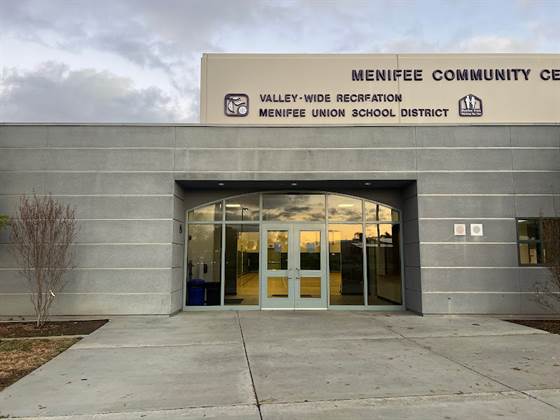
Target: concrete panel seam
[[466, 218], [303, 172], [490, 195], [467, 243], [480, 267]]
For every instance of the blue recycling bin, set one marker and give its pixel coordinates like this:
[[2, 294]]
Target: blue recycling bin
[[195, 292]]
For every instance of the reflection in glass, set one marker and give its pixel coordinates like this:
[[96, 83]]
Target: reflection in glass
[[530, 253], [294, 207], [346, 280], [210, 213], [244, 208], [377, 212], [242, 265], [277, 249], [310, 250], [203, 259], [310, 287], [344, 209], [277, 287], [528, 229], [383, 265]]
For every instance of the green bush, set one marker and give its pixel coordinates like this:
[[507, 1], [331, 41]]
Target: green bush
[[3, 221]]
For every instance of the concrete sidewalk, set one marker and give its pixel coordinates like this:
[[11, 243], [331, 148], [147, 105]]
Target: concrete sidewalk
[[285, 365]]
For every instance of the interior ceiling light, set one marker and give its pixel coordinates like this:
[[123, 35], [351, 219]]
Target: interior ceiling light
[[294, 184], [367, 183], [233, 205], [346, 205], [221, 184]]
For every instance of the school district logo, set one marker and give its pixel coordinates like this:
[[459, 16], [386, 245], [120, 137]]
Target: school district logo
[[236, 105], [470, 106]]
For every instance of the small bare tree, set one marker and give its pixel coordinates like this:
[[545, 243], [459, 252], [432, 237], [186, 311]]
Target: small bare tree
[[549, 292], [42, 233]]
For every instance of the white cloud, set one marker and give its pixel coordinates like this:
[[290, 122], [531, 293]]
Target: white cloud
[[493, 43], [54, 93]]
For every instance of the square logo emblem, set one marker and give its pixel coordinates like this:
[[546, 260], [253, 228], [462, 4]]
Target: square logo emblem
[[236, 105], [470, 106]]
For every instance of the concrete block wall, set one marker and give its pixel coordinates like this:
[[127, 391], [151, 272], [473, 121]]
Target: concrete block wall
[[122, 178]]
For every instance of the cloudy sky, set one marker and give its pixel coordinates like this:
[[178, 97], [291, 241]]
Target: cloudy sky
[[139, 60]]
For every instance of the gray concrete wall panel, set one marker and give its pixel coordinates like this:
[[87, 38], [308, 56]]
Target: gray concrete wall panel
[[109, 256], [442, 231], [470, 207], [294, 137], [472, 303], [294, 160], [534, 206], [463, 159], [95, 183], [536, 182], [501, 279], [110, 136], [115, 207], [23, 135], [123, 160], [471, 255], [149, 280], [465, 183], [536, 159], [94, 304], [535, 136], [23, 159], [463, 136]]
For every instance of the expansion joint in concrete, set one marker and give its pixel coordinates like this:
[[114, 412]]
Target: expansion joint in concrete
[[466, 366], [249, 366]]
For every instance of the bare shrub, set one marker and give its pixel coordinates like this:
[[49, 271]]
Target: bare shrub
[[549, 292], [42, 233]]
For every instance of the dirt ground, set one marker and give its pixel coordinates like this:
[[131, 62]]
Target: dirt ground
[[20, 357], [550, 325], [53, 328]]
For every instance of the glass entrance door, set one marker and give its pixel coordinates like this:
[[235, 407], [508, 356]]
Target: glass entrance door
[[293, 274]]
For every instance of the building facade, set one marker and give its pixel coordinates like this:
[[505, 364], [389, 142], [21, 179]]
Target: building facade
[[436, 219]]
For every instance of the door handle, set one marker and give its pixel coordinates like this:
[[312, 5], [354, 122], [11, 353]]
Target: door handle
[[298, 274], [290, 276]]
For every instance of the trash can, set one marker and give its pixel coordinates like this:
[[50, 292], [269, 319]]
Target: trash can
[[195, 292], [213, 293]]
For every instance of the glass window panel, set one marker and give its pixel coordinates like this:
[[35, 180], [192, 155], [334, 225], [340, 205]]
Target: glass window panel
[[376, 212], [310, 250], [243, 208], [310, 287], [344, 209], [530, 253], [209, 213], [277, 287], [384, 264], [528, 229], [242, 265], [277, 249], [346, 281], [203, 263], [294, 207]]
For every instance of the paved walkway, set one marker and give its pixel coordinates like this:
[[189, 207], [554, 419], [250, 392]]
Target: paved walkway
[[304, 365]]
